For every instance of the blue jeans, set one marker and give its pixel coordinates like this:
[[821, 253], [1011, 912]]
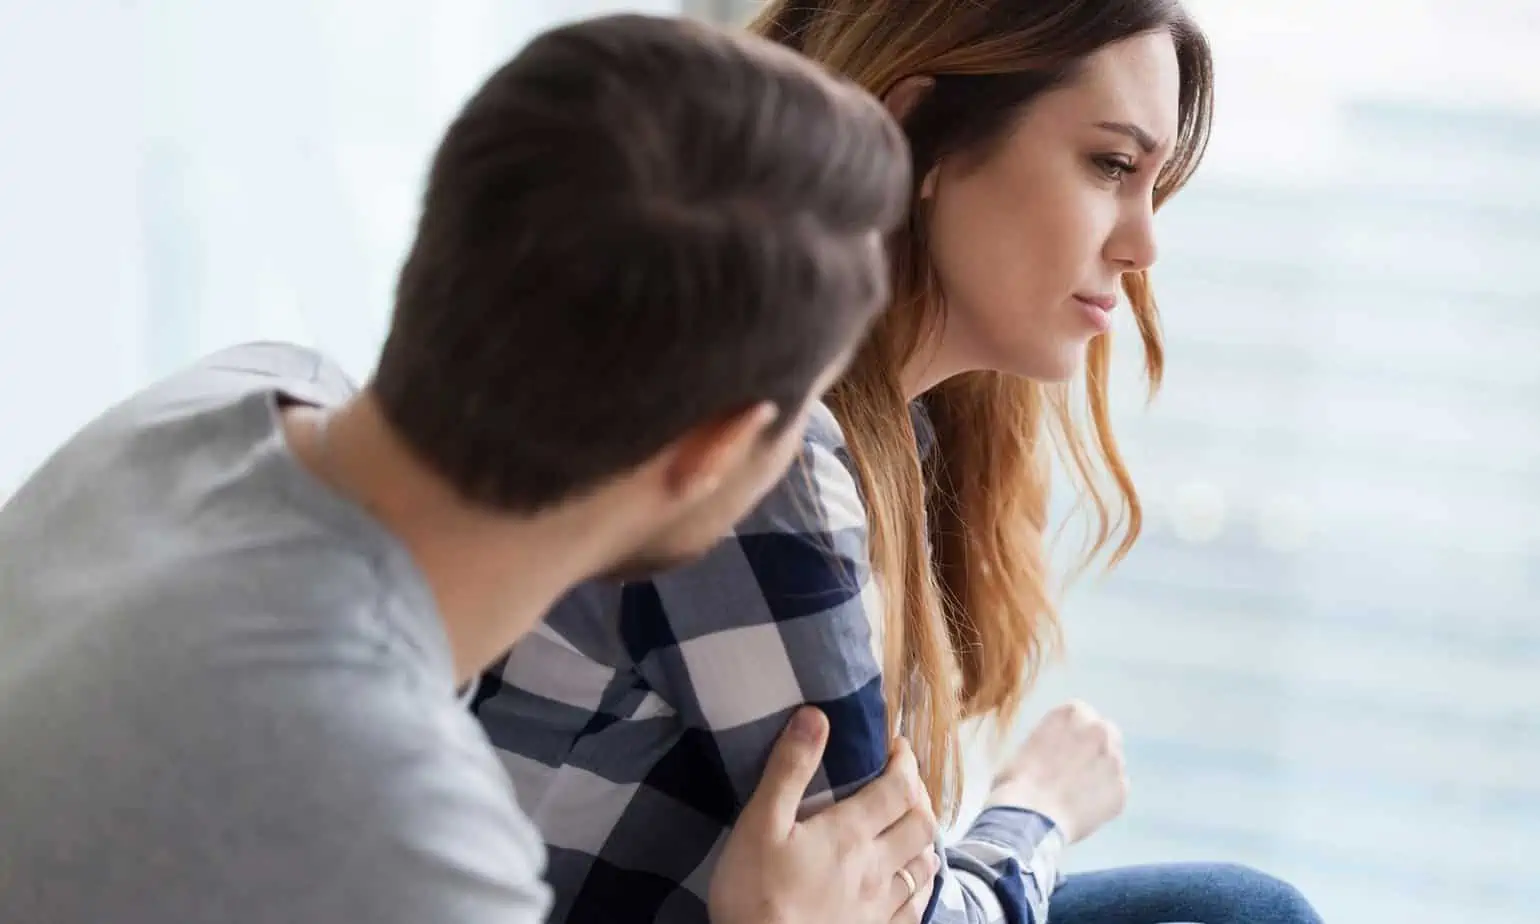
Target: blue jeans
[[1189, 893]]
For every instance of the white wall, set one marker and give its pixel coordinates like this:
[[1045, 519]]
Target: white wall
[[178, 175]]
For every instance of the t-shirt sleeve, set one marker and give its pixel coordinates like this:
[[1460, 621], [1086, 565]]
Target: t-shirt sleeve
[[450, 845], [392, 811]]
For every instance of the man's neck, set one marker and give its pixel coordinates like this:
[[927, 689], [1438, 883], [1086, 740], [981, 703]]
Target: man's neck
[[493, 576]]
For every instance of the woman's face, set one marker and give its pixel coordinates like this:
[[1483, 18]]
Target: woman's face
[[1030, 243]]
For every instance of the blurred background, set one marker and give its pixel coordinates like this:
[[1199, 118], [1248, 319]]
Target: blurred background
[[1326, 650]]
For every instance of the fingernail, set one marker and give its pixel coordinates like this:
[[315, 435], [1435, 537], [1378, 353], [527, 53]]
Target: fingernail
[[805, 725]]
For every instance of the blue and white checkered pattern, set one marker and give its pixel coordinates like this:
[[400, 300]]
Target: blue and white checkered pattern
[[637, 720]]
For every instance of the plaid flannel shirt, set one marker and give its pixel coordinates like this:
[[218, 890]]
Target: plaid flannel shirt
[[637, 720]]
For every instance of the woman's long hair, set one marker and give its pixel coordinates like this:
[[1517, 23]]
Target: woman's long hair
[[958, 544]]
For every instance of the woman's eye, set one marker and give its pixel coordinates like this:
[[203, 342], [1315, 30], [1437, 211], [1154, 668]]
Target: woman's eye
[[1114, 167]]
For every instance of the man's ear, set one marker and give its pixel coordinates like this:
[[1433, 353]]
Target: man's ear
[[901, 100], [701, 459]]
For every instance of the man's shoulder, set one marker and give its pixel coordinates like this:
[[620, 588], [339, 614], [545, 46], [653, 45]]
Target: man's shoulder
[[393, 778], [304, 373], [217, 395]]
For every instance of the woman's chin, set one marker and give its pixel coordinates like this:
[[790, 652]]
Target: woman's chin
[[1051, 366]]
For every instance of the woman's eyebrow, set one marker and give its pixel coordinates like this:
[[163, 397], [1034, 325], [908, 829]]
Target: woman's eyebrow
[[1141, 137]]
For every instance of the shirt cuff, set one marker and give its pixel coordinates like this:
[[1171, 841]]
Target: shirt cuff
[[1031, 836]]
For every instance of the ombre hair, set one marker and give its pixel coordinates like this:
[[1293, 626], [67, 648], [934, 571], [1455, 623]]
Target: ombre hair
[[957, 540]]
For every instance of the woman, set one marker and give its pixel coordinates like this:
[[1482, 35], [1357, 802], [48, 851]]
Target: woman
[[900, 580]]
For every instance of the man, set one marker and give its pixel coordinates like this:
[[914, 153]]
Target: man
[[235, 610]]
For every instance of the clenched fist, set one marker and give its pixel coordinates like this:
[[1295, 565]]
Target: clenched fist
[[1070, 769]]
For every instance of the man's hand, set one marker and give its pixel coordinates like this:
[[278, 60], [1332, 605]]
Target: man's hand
[[840, 865], [1070, 769]]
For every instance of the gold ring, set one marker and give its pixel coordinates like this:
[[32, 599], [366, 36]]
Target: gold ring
[[908, 881]]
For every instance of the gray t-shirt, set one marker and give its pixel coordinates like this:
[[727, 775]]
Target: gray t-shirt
[[225, 692]]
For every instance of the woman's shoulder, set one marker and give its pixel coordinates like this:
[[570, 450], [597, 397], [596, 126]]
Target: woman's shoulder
[[819, 492], [825, 455], [824, 432]]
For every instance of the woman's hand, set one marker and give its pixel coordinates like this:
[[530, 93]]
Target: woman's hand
[[839, 865], [1070, 769]]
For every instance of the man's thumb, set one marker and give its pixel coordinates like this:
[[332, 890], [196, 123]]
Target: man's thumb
[[789, 772]]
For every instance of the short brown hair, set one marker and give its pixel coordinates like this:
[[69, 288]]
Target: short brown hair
[[636, 225]]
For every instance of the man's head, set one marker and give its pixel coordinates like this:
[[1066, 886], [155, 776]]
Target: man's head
[[646, 246]]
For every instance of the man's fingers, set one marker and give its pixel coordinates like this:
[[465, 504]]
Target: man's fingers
[[908, 837], [793, 762], [909, 907], [883, 801]]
